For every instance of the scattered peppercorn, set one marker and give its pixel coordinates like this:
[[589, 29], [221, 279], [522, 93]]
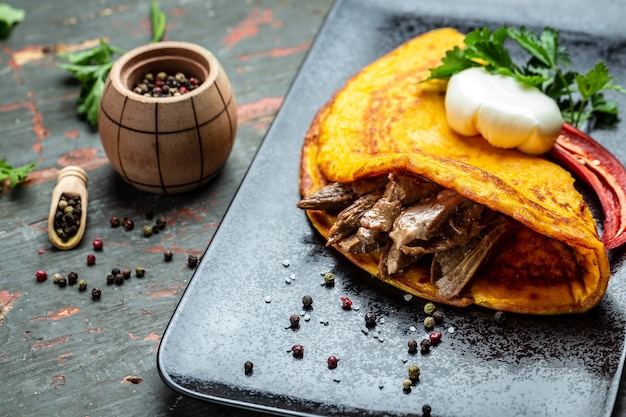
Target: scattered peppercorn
[[140, 272], [97, 244], [72, 278], [429, 308], [414, 373], [332, 362], [346, 303], [91, 259], [82, 285], [248, 368], [126, 273], [147, 231], [435, 337], [110, 279], [115, 221], [425, 345], [96, 293], [168, 255], [129, 225], [307, 302], [192, 261], [438, 315], [370, 319], [67, 216], [406, 385], [429, 322], [426, 410], [298, 351], [499, 317], [56, 278], [160, 223], [119, 279], [329, 279], [412, 344], [294, 321], [41, 275]]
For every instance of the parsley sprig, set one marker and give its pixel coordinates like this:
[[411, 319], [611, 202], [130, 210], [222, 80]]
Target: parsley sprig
[[14, 175], [9, 17], [91, 67], [579, 96]]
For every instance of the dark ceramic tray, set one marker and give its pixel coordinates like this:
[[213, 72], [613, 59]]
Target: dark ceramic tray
[[265, 256]]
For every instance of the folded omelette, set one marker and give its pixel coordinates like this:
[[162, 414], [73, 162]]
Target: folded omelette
[[441, 216]]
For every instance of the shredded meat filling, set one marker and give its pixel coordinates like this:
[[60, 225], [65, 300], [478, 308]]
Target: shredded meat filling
[[407, 217]]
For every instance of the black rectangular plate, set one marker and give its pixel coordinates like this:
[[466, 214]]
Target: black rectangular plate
[[265, 257]]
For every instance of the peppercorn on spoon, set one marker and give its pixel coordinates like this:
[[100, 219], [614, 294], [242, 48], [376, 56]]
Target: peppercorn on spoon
[[68, 208]]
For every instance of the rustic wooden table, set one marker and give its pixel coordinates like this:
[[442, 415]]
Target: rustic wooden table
[[61, 353]]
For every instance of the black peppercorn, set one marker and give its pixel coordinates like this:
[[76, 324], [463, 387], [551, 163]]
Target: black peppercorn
[[307, 302], [115, 271], [412, 344], [62, 282], [96, 293], [370, 319], [426, 410], [425, 345], [110, 279], [192, 261], [499, 317], [294, 321], [248, 368], [168, 255], [438, 315], [119, 279], [160, 223], [72, 278]]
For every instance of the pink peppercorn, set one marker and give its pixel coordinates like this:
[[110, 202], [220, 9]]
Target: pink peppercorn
[[346, 303], [91, 259], [435, 337], [41, 275], [332, 362], [98, 244]]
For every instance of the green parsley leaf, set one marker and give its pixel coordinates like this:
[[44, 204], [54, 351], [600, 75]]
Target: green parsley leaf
[[579, 96], [91, 67], [9, 17], [158, 22], [14, 175]]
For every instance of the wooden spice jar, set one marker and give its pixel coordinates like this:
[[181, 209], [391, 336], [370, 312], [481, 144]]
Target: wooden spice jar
[[168, 145]]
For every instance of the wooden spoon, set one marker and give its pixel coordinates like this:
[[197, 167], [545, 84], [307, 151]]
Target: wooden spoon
[[71, 183]]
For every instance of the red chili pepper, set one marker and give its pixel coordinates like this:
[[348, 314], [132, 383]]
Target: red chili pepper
[[600, 170]]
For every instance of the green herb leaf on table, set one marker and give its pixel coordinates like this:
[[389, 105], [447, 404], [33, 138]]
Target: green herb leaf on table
[[91, 68], [9, 17], [579, 96], [14, 175], [157, 16]]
